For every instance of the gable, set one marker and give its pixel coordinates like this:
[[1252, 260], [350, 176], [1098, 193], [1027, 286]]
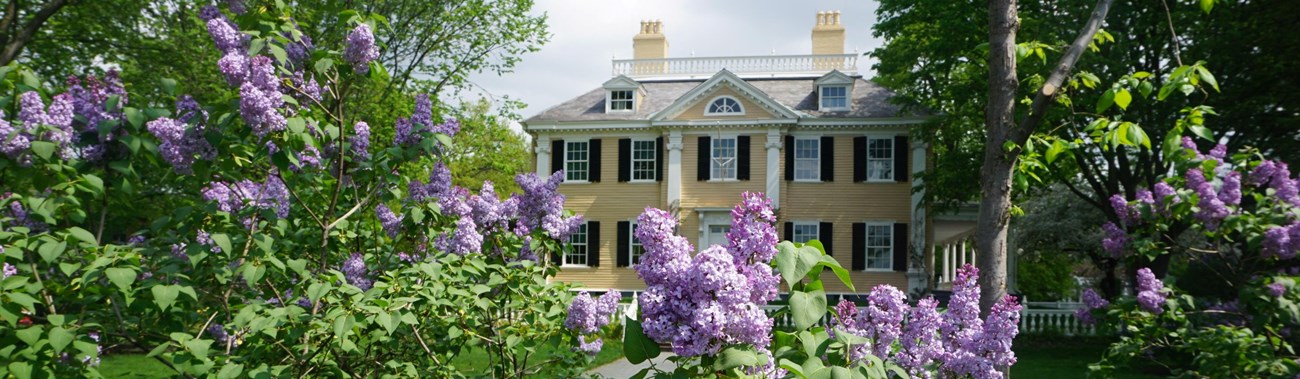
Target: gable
[[696, 111]]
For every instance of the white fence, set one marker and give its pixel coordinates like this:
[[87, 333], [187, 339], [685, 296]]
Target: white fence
[[1059, 319]]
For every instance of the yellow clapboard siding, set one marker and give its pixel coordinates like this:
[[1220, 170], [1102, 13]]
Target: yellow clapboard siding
[[842, 200], [696, 111]]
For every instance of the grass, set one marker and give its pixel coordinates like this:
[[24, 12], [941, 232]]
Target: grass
[[1062, 358], [475, 362]]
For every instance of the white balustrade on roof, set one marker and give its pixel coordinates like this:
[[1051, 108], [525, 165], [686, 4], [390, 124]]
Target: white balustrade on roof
[[745, 66]]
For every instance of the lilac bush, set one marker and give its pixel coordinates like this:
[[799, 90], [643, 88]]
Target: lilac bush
[[587, 316]]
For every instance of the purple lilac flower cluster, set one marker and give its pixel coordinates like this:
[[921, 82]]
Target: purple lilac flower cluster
[[541, 206], [1115, 239], [183, 141], [391, 222], [1091, 301], [260, 98], [917, 338], [1276, 289], [408, 130], [361, 48], [361, 141], [700, 304], [9, 270], [36, 123], [587, 316], [1151, 294], [355, 271], [18, 213], [234, 197], [90, 104]]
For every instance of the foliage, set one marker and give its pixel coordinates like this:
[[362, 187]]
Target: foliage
[[296, 247], [886, 339], [489, 151], [1046, 276], [1244, 207]]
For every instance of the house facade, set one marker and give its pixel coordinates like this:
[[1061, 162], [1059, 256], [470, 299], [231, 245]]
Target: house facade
[[689, 135]]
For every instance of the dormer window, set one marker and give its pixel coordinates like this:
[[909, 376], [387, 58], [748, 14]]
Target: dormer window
[[724, 106], [834, 98], [621, 100]]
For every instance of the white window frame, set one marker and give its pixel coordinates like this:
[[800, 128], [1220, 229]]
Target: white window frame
[[716, 169], [822, 98], [889, 249], [797, 226], [581, 231], [889, 162], [633, 245], [570, 175], [738, 111], [709, 234], [804, 176], [609, 101], [653, 160]]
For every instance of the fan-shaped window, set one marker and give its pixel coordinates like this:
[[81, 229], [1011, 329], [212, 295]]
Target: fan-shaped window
[[724, 105]]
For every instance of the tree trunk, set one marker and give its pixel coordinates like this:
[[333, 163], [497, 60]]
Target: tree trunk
[[15, 43], [997, 172]]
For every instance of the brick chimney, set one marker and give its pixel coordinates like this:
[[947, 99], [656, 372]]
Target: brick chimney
[[828, 34], [650, 43]]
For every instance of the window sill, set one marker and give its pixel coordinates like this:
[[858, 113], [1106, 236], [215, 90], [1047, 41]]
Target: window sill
[[643, 181], [878, 270], [574, 266], [575, 182], [879, 181], [723, 180], [808, 181], [833, 110]]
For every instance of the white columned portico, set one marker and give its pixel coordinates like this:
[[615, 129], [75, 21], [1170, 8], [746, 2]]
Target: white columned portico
[[773, 146], [543, 155], [674, 168]]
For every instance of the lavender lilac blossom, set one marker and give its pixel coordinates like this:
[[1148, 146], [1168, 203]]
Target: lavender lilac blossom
[[1151, 295], [9, 270], [1115, 239], [391, 222], [360, 141], [1091, 301], [355, 272], [361, 48], [260, 98], [183, 144]]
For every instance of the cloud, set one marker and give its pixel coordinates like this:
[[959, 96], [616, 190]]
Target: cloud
[[587, 33]]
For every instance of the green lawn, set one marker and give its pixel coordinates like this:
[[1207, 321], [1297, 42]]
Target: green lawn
[[471, 363], [1061, 358]]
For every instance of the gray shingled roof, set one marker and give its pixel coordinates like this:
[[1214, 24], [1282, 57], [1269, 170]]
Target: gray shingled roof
[[870, 100]]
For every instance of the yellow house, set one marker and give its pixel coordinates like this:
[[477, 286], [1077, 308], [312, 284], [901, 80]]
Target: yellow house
[[689, 135]]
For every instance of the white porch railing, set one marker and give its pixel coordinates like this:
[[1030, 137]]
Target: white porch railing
[[1053, 320], [763, 65]]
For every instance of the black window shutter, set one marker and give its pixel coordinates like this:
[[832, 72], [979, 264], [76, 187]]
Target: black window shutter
[[593, 157], [624, 159], [624, 247], [593, 243], [859, 159], [557, 155], [825, 235], [789, 231], [828, 159], [789, 157], [859, 246], [900, 247], [705, 156], [659, 159], [901, 151], [742, 158]]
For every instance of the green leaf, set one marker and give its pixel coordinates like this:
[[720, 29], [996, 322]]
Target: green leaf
[[134, 117], [807, 308], [230, 371], [44, 149], [60, 338], [636, 345], [323, 65], [809, 257], [51, 251], [1145, 88], [386, 320], [121, 277], [787, 258], [168, 85], [1207, 6], [1123, 98], [1056, 149], [223, 241], [297, 125], [316, 290], [839, 271], [165, 296], [30, 335], [1202, 131], [280, 56], [1205, 76], [83, 235], [1107, 99], [21, 370], [199, 347], [733, 357]]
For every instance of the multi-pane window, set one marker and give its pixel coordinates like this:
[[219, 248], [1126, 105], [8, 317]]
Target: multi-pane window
[[725, 105], [643, 159], [724, 158], [636, 249], [880, 246], [717, 235], [807, 159], [620, 100], [576, 161], [577, 256], [804, 232], [880, 159], [834, 98]]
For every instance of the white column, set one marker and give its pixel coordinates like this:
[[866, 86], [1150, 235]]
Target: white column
[[674, 168], [543, 155], [919, 277], [773, 146]]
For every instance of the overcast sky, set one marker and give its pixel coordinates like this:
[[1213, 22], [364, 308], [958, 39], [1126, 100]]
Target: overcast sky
[[587, 33]]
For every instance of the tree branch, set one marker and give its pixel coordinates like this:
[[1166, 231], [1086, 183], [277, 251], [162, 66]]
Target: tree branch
[[1038, 108], [18, 41]]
